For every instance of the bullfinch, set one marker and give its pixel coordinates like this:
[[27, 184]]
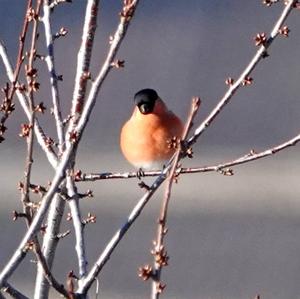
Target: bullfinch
[[145, 137]]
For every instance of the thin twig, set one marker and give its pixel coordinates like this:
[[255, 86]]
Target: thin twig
[[30, 137], [78, 227], [107, 66], [260, 54], [53, 76], [19, 253], [14, 293], [83, 60], [19, 59], [41, 137], [81, 79], [251, 156], [159, 252]]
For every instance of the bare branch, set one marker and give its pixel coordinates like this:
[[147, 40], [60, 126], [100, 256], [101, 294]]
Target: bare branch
[[260, 54], [159, 252], [49, 245], [107, 65], [251, 156], [19, 254], [53, 76], [78, 227], [51, 279], [82, 76], [41, 137], [84, 58], [19, 60], [30, 136]]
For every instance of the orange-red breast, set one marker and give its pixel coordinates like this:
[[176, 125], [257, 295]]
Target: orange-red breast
[[145, 136]]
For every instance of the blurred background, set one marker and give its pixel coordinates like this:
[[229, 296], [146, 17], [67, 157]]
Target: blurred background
[[229, 237]]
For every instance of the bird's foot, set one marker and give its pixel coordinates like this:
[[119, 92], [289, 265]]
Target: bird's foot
[[140, 173], [143, 185]]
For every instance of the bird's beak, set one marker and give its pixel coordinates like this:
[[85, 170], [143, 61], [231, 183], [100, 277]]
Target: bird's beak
[[144, 108]]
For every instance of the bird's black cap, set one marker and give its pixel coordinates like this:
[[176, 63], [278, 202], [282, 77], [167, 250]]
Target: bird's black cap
[[145, 100]]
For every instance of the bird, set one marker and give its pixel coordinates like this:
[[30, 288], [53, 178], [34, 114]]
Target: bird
[[146, 138]]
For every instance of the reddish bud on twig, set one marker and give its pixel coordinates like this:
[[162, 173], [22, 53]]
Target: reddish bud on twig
[[62, 32], [39, 56], [31, 15], [189, 152], [252, 152], [247, 81], [90, 219], [160, 287], [62, 235], [77, 175], [269, 2], [226, 171], [34, 85], [284, 31], [40, 108], [49, 141], [89, 193], [260, 39], [31, 72], [86, 76], [25, 130], [38, 189], [127, 11], [173, 143], [21, 87], [2, 129], [160, 255], [29, 246], [21, 186], [7, 107], [229, 81], [145, 272], [118, 64], [73, 136], [17, 215], [69, 217]]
